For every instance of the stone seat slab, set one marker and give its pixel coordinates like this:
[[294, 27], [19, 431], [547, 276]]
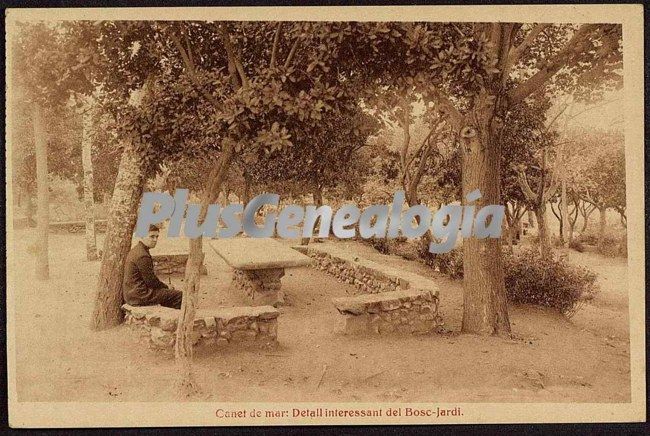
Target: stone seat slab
[[211, 326], [383, 301], [257, 253], [225, 314]]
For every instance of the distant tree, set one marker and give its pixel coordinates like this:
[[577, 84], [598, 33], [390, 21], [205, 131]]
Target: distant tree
[[43, 82], [604, 178]]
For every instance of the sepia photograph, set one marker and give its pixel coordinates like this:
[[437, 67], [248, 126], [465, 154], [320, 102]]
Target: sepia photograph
[[281, 216]]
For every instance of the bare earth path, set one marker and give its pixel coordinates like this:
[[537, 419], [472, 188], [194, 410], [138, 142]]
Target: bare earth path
[[552, 359]]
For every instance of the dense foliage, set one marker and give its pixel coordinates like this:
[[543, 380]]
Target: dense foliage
[[547, 281]]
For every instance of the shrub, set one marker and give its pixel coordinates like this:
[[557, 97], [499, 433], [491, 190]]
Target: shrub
[[379, 244], [589, 238], [556, 241], [450, 263], [614, 247], [576, 245], [614, 242], [387, 246], [550, 282]]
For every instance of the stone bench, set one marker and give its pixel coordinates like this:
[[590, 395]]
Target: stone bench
[[76, 226], [409, 311], [393, 300], [172, 263], [221, 326]]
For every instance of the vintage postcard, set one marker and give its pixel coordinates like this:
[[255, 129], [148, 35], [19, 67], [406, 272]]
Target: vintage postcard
[[325, 215]]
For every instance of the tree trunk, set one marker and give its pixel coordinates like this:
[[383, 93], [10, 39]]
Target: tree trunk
[[585, 222], [117, 243], [30, 210], [570, 228], [89, 203], [558, 215], [531, 219], [601, 228], [186, 383], [247, 189], [511, 230], [572, 221], [43, 203], [317, 195], [484, 297], [544, 242], [564, 213]]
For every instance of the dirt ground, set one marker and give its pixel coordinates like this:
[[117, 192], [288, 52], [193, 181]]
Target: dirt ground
[[550, 359]]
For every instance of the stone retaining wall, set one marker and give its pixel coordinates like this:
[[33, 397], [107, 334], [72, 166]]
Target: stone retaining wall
[[172, 264], [249, 325], [393, 300], [365, 275], [76, 226]]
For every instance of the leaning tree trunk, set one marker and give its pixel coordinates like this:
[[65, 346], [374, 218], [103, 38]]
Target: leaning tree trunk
[[544, 242], [186, 384], [89, 203], [43, 206], [117, 243], [565, 234], [601, 227], [484, 297]]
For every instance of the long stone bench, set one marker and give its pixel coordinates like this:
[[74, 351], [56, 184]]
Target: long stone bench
[[257, 325], [393, 300], [409, 311], [76, 226]]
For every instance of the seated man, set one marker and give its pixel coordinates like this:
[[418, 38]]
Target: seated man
[[141, 287]]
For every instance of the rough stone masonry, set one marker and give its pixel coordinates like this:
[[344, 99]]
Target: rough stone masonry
[[256, 325], [393, 300]]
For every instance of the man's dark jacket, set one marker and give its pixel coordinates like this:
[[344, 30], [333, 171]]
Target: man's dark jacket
[[140, 282]]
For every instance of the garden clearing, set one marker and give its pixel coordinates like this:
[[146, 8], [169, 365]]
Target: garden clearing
[[550, 358]]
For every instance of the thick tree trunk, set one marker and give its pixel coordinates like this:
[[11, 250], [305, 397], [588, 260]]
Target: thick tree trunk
[[117, 243], [484, 298], [186, 383], [89, 203], [544, 242], [601, 227], [43, 203]]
